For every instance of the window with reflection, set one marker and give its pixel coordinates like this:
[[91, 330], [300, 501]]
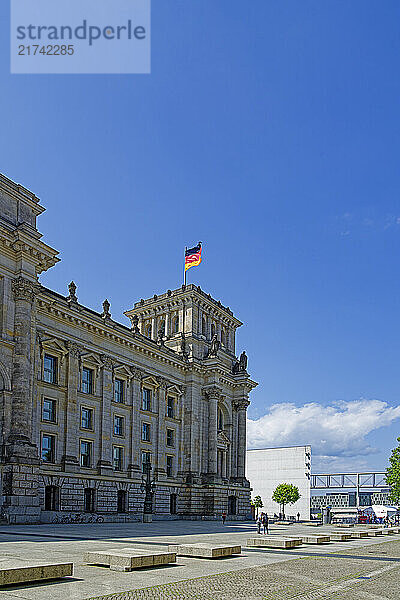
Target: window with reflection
[[87, 380], [50, 368]]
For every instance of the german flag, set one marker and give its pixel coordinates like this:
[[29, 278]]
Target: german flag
[[193, 257]]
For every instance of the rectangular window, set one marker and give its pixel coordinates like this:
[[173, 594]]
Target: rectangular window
[[119, 391], [146, 460], [49, 410], [50, 369], [146, 399], [121, 501], [89, 499], [118, 456], [170, 437], [48, 448], [86, 418], [170, 406], [51, 497], [146, 432], [87, 381], [86, 454], [118, 425], [170, 460]]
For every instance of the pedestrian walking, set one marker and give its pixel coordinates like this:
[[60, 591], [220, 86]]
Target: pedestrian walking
[[298, 516], [223, 518], [265, 523], [259, 523]]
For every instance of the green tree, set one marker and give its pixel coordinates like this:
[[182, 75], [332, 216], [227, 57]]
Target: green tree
[[393, 475], [257, 503], [285, 493]]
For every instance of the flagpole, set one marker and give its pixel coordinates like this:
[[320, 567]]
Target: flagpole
[[184, 267], [183, 300]]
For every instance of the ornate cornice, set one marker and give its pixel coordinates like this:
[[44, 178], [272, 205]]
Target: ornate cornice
[[241, 404], [107, 361], [137, 373], [74, 350], [163, 383], [23, 289], [213, 392]]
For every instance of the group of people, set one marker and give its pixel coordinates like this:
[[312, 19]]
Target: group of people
[[262, 523]]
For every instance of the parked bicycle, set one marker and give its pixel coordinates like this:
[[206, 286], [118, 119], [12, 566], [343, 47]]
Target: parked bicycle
[[77, 518]]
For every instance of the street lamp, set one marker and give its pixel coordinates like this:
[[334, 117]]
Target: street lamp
[[148, 485]]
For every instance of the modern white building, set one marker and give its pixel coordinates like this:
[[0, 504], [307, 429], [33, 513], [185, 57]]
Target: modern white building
[[269, 467]]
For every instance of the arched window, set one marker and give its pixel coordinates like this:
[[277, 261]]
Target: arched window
[[175, 324], [161, 328], [147, 330], [204, 327], [51, 497], [220, 420], [223, 337], [212, 330]]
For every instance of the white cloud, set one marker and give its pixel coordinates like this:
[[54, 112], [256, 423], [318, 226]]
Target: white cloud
[[337, 433]]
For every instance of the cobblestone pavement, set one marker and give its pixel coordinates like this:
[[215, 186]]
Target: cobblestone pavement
[[364, 573], [304, 572]]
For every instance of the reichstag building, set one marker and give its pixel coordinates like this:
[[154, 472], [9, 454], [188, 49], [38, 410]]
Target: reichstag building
[[89, 404]]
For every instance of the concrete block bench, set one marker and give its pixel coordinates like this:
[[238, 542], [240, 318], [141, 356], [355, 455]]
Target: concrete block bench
[[374, 532], [359, 534], [344, 525], [388, 531], [273, 542], [338, 536], [204, 550], [13, 571], [315, 539], [127, 559]]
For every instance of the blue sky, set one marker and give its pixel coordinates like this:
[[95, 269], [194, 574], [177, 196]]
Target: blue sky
[[270, 131]]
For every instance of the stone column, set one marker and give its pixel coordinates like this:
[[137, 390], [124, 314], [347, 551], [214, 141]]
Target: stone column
[[20, 438], [167, 330], [135, 463], [154, 328], [20, 475], [141, 325], [229, 431], [213, 395], [104, 463], [71, 416], [241, 457]]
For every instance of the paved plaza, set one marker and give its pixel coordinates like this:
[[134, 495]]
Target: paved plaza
[[359, 569]]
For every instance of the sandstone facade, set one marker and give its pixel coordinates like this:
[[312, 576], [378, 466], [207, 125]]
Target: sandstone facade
[[87, 402]]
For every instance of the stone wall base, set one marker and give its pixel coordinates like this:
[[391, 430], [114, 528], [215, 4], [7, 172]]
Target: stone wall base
[[24, 499]]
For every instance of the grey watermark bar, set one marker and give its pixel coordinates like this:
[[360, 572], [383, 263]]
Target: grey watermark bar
[[80, 36]]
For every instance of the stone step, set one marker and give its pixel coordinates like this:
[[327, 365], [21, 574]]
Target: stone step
[[127, 559], [339, 536], [273, 542], [204, 550], [18, 571], [315, 539]]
